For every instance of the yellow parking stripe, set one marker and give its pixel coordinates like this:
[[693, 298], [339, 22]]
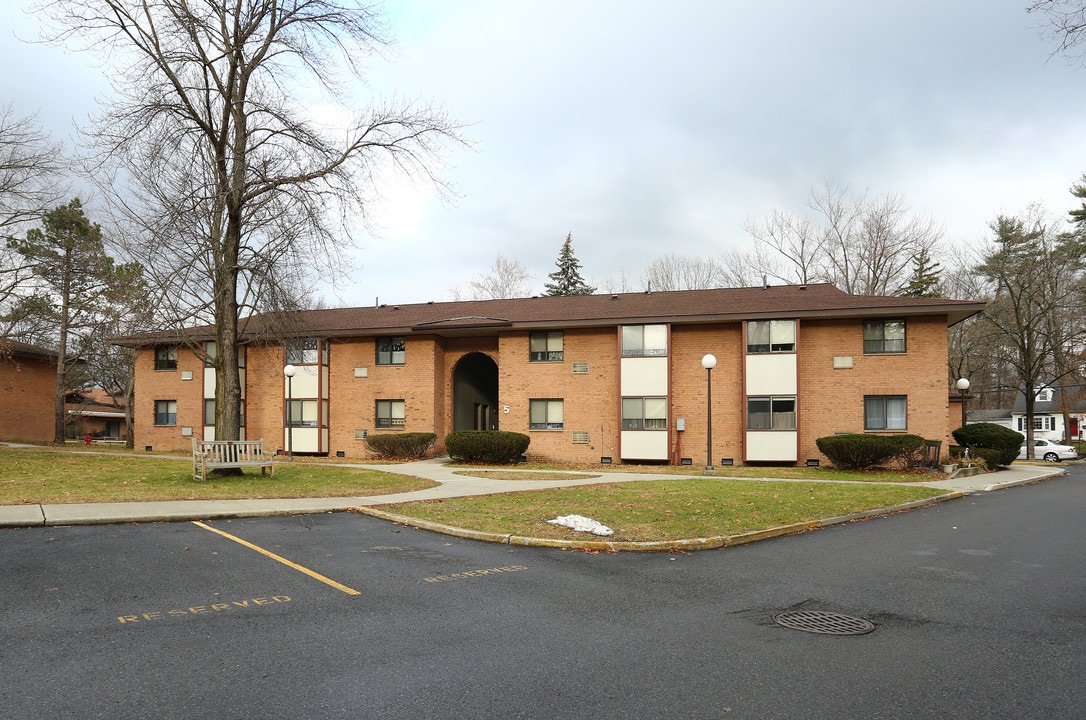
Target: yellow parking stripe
[[283, 560]]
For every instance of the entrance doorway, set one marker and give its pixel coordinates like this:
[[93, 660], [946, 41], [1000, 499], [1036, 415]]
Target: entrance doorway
[[475, 393]]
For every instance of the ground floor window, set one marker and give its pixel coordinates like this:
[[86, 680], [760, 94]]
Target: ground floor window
[[390, 413], [302, 413], [546, 414], [209, 413], [165, 412], [885, 412], [1040, 422], [771, 413], [644, 413]]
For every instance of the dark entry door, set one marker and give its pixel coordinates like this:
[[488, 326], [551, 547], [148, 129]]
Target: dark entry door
[[475, 393]]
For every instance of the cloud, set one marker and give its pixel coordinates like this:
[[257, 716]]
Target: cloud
[[648, 130]]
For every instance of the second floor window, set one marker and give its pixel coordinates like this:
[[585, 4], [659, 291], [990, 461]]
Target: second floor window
[[644, 340], [545, 346], [303, 351], [884, 336], [391, 351], [166, 357], [765, 336]]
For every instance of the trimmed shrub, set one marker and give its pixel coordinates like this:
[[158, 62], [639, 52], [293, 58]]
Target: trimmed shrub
[[488, 446], [401, 446], [858, 451], [990, 436]]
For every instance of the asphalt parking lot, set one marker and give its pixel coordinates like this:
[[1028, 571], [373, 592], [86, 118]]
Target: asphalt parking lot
[[976, 606]]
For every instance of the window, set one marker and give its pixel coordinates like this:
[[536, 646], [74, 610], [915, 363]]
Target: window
[[209, 412], [165, 412], [166, 357], [545, 346], [390, 351], [644, 340], [390, 413], [211, 351], [648, 413], [1040, 422], [884, 412], [1044, 395], [771, 413], [302, 413], [546, 414], [771, 336], [884, 336], [302, 351]]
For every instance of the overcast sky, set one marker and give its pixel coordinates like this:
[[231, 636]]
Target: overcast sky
[[648, 129]]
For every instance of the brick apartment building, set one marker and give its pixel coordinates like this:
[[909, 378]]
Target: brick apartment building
[[617, 378], [28, 386]]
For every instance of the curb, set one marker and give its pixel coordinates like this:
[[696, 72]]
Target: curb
[[705, 543]]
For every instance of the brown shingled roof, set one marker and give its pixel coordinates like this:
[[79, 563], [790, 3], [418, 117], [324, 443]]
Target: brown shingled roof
[[683, 306], [21, 349]]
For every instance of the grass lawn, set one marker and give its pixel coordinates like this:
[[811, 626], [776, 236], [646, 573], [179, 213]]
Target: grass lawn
[[662, 509], [31, 475], [746, 471]]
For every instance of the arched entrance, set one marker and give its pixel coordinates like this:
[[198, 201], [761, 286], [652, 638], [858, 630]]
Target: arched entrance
[[475, 393]]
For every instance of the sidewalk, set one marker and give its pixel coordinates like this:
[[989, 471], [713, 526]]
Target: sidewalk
[[452, 485]]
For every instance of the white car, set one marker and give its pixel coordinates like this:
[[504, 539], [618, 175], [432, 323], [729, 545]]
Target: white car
[[1049, 451]]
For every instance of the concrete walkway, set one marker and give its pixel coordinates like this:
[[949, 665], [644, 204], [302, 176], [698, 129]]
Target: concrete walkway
[[451, 485]]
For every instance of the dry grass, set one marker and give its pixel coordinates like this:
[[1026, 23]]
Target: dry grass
[[32, 475], [663, 509]]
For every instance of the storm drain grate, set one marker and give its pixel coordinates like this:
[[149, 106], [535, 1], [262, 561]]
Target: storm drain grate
[[825, 623]]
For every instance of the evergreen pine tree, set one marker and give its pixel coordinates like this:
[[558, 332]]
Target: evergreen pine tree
[[567, 280], [924, 281]]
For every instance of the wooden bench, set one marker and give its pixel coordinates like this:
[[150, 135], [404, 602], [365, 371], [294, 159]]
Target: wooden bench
[[223, 454]]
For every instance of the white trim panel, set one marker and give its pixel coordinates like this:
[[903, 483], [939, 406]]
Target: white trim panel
[[772, 374], [644, 445], [772, 446], [644, 377]]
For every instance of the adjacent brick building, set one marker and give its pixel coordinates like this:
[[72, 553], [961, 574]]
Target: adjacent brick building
[[617, 378], [28, 385]]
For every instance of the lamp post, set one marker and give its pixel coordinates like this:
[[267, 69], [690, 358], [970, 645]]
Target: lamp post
[[963, 386], [709, 362], [289, 371]]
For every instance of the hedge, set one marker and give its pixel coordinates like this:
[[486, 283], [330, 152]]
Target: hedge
[[859, 451], [991, 436], [401, 446], [488, 446]]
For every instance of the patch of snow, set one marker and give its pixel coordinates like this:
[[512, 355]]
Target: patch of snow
[[582, 524]]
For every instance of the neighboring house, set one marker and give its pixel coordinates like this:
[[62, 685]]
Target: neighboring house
[[1048, 413], [611, 378], [28, 381], [95, 413], [1049, 405]]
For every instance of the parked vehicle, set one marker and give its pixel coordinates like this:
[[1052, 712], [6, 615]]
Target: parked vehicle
[[1049, 451]]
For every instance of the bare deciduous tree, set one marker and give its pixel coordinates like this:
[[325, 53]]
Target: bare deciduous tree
[[676, 272], [30, 170], [234, 183], [1065, 24], [863, 245], [506, 279]]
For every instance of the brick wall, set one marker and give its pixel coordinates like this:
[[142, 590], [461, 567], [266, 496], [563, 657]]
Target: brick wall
[[27, 399], [590, 401], [152, 385], [830, 400]]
